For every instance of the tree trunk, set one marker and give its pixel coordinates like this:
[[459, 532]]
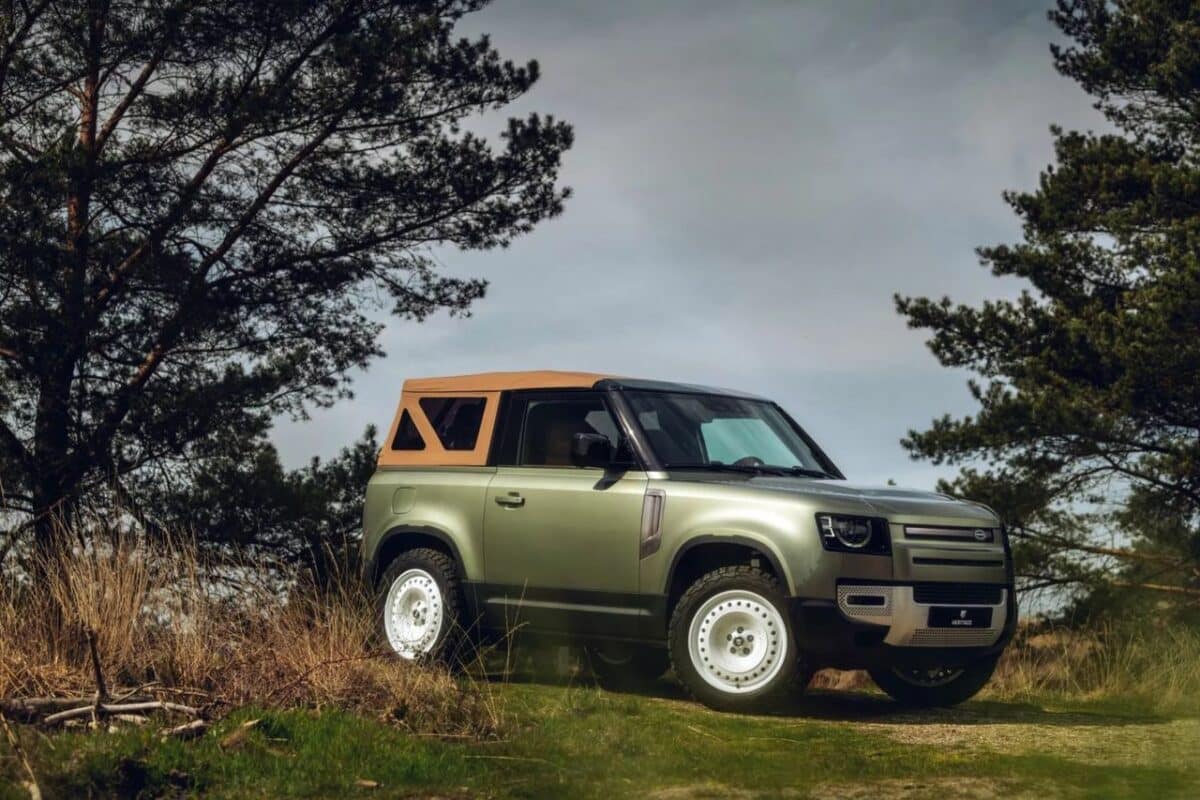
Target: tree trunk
[[54, 484], [51, 482]]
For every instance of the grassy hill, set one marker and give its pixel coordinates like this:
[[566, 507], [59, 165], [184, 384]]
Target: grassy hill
[[581, 742]]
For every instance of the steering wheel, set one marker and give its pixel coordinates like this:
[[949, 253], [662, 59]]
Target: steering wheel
[[749, 461]]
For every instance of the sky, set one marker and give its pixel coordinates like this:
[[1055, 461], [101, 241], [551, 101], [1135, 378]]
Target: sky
[[753, 182]]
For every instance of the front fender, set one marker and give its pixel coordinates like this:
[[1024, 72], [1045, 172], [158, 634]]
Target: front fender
[[696, 514], [754, 541]]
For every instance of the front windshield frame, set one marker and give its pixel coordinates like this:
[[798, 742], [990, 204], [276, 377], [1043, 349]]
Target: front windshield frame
[[823, 462]]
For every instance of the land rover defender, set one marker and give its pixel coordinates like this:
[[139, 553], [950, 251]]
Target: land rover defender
[[664, 525]]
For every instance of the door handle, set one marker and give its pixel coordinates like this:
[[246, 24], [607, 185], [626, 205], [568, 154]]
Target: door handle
[[510, 500]]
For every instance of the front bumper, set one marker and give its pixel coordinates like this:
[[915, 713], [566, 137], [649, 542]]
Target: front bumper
[[885, 623]]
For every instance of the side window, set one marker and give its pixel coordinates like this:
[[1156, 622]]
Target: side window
[[407, 436], [550, 424], [456, 420]]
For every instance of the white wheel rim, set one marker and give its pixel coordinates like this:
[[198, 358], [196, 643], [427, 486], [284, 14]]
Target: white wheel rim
[[737, 641], [412, 613]]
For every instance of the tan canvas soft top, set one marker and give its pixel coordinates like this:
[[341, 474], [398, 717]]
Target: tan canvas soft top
[[486, 385], [502, 381]]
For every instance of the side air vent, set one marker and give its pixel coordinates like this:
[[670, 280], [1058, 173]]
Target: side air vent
[[652, 513], [872, 602]]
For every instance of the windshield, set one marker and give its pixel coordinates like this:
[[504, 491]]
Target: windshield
[[718, 431]]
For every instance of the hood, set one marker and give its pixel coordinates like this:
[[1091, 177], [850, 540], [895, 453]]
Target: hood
[[883, 500]]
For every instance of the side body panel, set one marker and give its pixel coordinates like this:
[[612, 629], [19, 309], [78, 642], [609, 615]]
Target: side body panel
[[566, 557], [575, 529]]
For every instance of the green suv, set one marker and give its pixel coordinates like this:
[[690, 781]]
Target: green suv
[[668, 525]]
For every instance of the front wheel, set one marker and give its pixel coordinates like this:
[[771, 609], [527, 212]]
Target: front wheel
[[934, 687], [730, 640]]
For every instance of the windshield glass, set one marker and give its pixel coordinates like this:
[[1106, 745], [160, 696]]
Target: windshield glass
[[713, 431]]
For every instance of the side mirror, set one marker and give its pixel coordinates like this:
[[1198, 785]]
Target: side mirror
[[591, 450]]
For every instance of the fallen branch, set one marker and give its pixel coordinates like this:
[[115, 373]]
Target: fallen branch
[[131, 718], [28, 709], [239, 736], [187, 730], [120, 708], [101, 687], [127, 695], [35, 791]]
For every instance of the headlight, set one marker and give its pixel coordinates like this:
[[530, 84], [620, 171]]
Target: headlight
[[854, 534]]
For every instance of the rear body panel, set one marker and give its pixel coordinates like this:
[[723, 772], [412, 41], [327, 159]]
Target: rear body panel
[[446, 501]]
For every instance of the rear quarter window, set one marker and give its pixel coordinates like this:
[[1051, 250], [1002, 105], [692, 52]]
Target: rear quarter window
[[455, 420], [407, 436]]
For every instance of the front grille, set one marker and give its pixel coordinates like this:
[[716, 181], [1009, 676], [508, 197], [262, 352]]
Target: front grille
[[958, 594], [931, 561], [938, 637], [947, 534]]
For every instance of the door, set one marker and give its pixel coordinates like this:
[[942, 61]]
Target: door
[[561, 541]]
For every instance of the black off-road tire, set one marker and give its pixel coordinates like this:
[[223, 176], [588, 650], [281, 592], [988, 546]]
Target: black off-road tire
[[966, 685], [451, 647], [627, 667], [781, 688]]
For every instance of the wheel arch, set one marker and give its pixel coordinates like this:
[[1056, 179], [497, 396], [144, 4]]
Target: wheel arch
[[406, 537], [708, 551]]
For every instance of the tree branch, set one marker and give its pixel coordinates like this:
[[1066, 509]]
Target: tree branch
[[135, 90], [174, 326], [188, 194], [1157, 587], [139, 83], [11, 47], [1115, 552], [15, 447]]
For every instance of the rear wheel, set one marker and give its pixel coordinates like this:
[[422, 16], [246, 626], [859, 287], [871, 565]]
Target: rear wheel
[[730, 640], [937, 686], [627, 666], [419, 606]]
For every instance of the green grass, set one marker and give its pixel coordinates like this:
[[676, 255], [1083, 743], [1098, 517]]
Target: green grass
[[580, 742]]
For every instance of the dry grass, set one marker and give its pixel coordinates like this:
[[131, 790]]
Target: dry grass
[[165, 616], [1155, 667]]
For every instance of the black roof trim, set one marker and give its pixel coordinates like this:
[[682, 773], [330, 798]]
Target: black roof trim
[[638, 384]]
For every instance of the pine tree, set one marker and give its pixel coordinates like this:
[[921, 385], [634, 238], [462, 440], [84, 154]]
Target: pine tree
[[1087, 435], [203, 201]]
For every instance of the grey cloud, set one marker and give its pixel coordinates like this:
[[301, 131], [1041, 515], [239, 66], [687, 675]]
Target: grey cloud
[[753, 182]]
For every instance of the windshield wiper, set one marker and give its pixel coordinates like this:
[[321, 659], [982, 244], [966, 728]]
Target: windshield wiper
[[749, 469], [808, 473], [721, 466]]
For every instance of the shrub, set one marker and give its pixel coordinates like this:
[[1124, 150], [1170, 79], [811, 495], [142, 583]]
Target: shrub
[[1152, 665], [227, 632]]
